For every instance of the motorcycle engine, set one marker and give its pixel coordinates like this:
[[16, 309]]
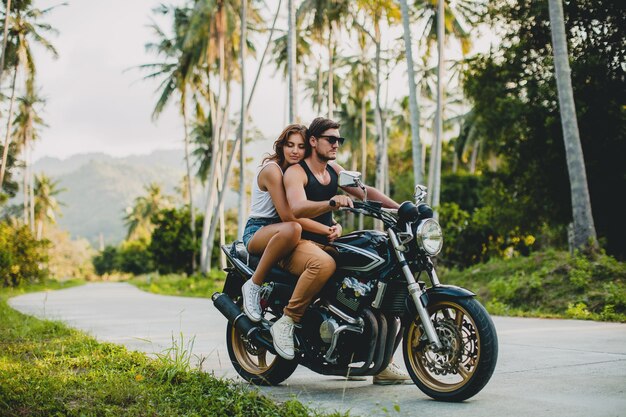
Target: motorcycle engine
[[318, 327]]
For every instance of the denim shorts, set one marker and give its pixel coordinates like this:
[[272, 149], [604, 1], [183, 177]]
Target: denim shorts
[[254, 224]]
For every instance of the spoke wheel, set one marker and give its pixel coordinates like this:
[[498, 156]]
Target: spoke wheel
[[469, 354], [256, 365]]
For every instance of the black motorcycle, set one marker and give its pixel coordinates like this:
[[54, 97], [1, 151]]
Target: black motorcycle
[[375, 300]]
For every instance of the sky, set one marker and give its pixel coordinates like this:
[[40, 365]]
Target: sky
[[97, 100]]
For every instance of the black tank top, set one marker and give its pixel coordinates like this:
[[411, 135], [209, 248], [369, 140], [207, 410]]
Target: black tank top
[[319, 192]]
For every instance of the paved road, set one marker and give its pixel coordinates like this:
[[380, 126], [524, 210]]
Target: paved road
[[546, 367]]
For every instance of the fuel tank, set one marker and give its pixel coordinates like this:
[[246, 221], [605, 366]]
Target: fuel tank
[[362, 251]]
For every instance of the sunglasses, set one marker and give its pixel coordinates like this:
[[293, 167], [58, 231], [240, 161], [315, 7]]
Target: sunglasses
[[333, 139]]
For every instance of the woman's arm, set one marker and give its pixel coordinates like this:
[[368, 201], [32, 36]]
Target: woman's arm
[[271, 179]]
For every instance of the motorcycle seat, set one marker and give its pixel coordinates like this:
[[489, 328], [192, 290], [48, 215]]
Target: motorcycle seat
[[276, 274]]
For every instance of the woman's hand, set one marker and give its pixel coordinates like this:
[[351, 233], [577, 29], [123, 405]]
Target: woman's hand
[[335, 232]]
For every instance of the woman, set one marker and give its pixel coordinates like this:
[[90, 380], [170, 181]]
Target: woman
[[272, 231]]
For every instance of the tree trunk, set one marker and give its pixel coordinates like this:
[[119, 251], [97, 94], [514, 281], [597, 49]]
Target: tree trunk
[[192, 213], [584, 228], [474, 157], [4, 42], [413, 106], [291, 61], [242, 129], [39, 235], [331, 50], [205, 254], [221, 174], [363, 150], [31, 200], [380, 128], [437, 146], [7, 139], [267, 45], [25, 185]]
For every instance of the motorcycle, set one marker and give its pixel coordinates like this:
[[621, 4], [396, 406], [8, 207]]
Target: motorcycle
[[375, 301]]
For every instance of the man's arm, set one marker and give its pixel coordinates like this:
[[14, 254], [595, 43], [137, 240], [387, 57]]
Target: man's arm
[[372, 193], [295, 180]]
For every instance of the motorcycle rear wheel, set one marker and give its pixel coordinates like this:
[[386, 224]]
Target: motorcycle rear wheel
[[256, 365], [470, 350]]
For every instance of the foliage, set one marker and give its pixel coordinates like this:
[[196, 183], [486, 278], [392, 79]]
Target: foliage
[[74, 375], [22, 257], [107, 261], [134, 257], [464, 189], [138, 218], [9, 185], [552, 283], [69, 258], [515, 99], [172, 245]]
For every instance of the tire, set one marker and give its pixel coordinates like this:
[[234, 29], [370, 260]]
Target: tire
[[256, 365], [471, 342]]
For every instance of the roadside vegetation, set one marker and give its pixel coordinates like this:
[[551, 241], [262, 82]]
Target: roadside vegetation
[[47, 369], [548, 284], [197, 285]]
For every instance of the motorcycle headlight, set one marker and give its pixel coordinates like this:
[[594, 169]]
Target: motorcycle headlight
[[429, 236]]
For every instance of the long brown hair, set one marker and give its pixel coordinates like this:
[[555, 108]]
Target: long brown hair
[[279, 156]]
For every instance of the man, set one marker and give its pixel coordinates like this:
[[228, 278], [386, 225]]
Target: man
[[311, 189]]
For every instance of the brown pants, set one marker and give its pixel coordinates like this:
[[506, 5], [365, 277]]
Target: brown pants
[[314, 266]]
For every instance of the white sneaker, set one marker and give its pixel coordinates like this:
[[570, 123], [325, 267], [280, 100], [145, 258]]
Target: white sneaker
[[391, 375], [252, 300], [282, 335]]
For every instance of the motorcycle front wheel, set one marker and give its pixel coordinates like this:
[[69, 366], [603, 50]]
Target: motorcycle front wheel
[[256, 365], [468, 358]]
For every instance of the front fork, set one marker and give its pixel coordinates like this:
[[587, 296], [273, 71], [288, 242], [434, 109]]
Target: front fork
[[416, 291]]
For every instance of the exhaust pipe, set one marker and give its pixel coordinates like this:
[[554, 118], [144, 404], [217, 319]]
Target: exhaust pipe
[[237, 318]]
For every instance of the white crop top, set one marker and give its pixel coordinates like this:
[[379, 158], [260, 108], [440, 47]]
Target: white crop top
[[262, 205]]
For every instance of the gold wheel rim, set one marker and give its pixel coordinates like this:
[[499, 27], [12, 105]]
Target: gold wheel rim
[[257, 363], [458, 332]]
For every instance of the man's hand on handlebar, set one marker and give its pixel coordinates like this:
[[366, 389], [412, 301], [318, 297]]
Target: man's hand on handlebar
[[340, 201]]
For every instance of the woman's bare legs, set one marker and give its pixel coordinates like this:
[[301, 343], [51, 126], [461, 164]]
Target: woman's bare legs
[[273, 242]]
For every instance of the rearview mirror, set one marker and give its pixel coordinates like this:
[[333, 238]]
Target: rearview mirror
[[349, 179], [352, 179], [420, 193]]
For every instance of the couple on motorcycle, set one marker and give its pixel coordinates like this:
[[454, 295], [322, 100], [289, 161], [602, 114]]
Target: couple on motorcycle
[[291, 224]]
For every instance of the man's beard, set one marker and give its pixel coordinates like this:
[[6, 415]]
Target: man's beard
[[325, 158]]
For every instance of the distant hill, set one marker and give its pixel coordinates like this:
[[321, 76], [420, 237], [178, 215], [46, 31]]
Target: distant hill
[[100, 187]]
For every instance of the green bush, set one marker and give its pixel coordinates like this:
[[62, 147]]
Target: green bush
[[107, 261], [172, 245], [135, 258], [23, 259]]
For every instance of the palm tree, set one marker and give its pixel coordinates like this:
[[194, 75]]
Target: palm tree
[[23, 27], [25, 133], [438, 21], [177, 72], [291, 60], [584, 228], [326, 17], [7, 12], [415, 116], [46, 205], [376, 12], [138, 218]]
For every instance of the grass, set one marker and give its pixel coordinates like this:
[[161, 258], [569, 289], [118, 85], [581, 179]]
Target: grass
[[549, 284], [48, 369], [196, 285]]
